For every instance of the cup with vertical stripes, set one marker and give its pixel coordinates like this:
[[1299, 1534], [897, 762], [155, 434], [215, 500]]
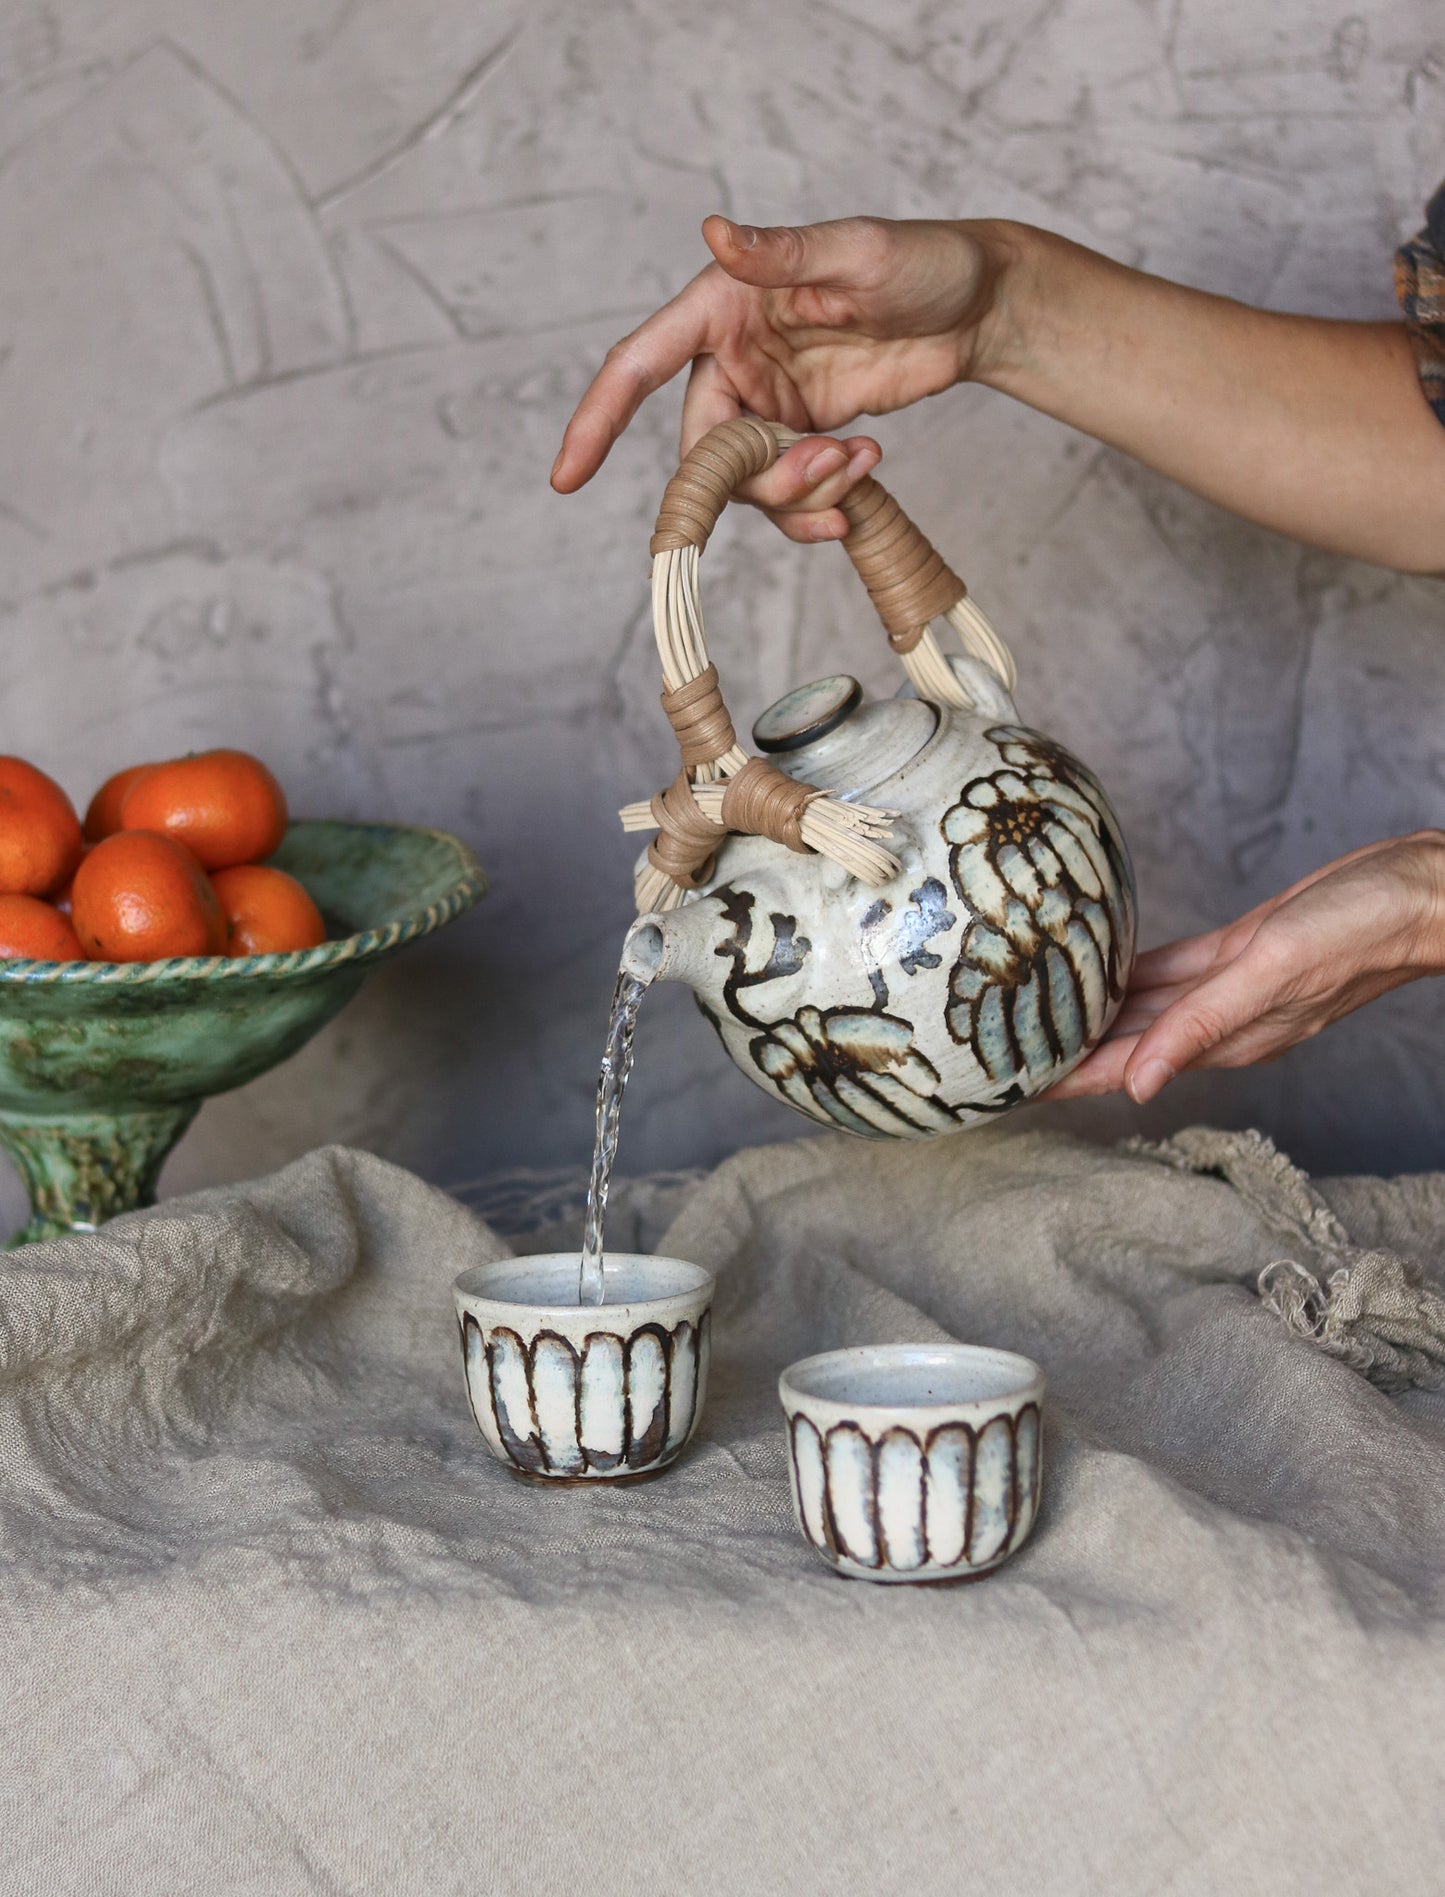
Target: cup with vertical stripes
[[570, 1392], [914, 1462]]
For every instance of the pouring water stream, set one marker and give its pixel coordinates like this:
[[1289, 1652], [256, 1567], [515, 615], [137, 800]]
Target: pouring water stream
[[611, 1084]]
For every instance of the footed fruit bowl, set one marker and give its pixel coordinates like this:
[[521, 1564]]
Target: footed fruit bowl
[[103, 1065]]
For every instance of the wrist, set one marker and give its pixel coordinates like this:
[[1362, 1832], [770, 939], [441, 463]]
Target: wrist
[[1066, 331], [1427, 944], [998, 343]]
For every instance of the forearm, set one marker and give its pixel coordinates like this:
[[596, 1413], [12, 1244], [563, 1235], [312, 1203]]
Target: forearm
[[1317, 429]]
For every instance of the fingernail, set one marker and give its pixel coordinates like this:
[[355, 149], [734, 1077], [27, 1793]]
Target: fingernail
[[1153, 1077], [561, 457], [743, 235], [827, 461]]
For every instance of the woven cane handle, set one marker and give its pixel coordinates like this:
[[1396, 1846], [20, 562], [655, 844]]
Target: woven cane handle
[[907, 579], [720, 788], [709, 474]]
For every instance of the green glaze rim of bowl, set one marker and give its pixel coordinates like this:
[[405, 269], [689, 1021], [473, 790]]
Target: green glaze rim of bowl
[[364, 946]]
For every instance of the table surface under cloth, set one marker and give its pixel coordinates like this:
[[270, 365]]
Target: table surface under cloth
[[274, 1622]]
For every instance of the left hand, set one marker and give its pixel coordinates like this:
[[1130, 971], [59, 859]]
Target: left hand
[[810, 325], [1249, 992]]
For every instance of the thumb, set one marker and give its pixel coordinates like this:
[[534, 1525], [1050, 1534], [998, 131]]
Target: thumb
[[1198, 1021], [848, 252]]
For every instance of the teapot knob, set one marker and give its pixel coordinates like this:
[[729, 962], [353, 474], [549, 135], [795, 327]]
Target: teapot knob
[[807, 713]]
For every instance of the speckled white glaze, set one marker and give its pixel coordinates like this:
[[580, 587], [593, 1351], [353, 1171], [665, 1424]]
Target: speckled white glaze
[[585, 1392], [980, 974], [914, 1462]]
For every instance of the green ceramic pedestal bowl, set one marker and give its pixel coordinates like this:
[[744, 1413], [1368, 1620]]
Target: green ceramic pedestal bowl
[[103, 1065]]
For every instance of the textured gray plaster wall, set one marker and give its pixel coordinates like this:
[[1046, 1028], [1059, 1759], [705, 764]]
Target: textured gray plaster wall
[[296, 299]]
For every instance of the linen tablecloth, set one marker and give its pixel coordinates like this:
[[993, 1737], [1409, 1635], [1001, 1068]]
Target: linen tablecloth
[[274, 1622]]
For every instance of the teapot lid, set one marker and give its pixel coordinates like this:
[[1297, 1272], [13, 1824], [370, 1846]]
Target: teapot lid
[[807, 713], [826, 734]]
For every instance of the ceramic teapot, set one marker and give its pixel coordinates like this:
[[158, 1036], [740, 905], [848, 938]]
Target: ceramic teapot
[[907, 914]]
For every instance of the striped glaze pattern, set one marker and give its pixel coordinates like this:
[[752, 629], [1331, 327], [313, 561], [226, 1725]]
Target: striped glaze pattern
[[910, 1505], [609, 1404]]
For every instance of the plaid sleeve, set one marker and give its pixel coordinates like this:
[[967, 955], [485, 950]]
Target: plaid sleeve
[[1420, 286]]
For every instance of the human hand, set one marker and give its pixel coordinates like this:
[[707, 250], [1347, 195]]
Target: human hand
[[811, 327], [1247, 993]]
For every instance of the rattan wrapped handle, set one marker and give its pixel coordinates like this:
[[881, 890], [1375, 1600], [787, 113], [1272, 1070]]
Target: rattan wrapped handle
[[709, 474], [909, 583], [907, 579]]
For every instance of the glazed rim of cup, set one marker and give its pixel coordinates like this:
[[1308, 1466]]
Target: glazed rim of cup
[[889, 1377], [547, 1281]]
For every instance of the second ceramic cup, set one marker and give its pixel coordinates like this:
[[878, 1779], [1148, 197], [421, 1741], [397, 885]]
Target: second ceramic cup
[[914, 1462]]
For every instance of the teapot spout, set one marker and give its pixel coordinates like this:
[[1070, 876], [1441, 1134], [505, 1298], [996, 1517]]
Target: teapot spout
[[676, 946]]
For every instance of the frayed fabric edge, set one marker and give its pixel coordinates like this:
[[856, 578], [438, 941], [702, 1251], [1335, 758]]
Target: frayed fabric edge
[[1371, 1310]]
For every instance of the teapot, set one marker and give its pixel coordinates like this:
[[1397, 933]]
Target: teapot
[[906, 914]]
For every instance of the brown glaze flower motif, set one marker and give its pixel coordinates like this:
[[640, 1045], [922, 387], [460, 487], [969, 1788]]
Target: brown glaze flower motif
[[1037, 860], [860, 1067]]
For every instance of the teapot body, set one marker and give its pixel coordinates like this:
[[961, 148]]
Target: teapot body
[[983, 972]]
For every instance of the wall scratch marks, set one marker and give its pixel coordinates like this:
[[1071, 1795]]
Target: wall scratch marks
[[434, 126], [422, 281]]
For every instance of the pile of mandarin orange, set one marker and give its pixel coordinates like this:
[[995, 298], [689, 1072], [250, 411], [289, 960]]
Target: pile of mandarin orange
[[166, 863]]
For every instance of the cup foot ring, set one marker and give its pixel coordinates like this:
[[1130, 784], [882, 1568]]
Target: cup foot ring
[[623, 1478]]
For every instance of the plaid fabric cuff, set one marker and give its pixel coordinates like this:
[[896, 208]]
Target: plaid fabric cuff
[[1420, 286]]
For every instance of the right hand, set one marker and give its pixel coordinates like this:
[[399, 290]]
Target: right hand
[[811, 327], [1249, 992]]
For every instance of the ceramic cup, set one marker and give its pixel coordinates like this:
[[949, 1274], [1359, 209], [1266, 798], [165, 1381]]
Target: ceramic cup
[[914, 1462], [563, 1391]]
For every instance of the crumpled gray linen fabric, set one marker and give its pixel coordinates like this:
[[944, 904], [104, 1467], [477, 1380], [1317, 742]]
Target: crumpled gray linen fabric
[[274, 1622]]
